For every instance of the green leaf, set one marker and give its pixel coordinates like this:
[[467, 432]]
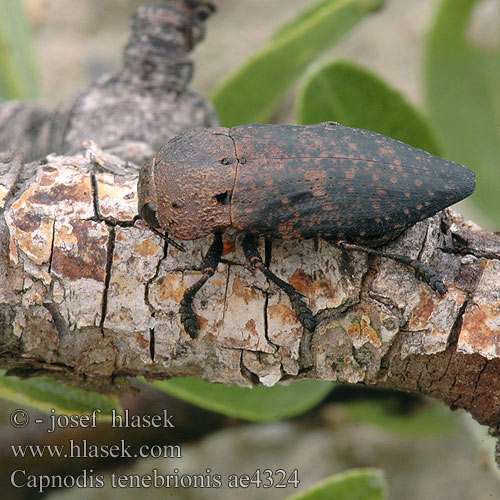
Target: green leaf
[[463, 92], [45, 393], [428, 420], [355, 484], [351, 95], [258, 404], [18, 75], [252, 92]]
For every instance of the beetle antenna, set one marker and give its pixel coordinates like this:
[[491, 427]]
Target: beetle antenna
[[168, 240]]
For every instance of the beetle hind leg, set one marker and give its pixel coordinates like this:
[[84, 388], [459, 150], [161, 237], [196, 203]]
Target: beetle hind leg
[[208, 267], [304, 314], [423, 271]]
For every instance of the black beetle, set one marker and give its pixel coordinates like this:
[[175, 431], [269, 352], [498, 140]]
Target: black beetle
[[355, 188]]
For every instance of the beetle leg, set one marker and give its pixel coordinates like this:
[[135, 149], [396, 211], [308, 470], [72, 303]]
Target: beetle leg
[[423, 271], [304, 314], [208, 267]]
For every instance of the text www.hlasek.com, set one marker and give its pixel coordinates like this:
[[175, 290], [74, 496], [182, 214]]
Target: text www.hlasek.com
[[85, 450]]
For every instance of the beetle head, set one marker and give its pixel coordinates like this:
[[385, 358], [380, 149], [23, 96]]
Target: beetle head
[[186, 188]]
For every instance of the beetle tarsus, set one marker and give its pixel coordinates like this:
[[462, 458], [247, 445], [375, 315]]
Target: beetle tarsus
[[423, 271], [427, 274], [303, 313], [188, 317], [208, 267]]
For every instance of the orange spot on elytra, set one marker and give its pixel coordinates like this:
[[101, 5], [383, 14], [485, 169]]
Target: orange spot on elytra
[[350, 174]]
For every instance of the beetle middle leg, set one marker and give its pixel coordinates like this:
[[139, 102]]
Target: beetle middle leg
[[208, 267], [423, 271], [304, 314]]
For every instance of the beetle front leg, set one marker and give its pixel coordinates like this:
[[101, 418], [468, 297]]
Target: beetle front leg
[[208, 267], [304, 314]]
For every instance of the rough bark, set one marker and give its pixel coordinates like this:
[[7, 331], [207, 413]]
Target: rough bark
[[133, 112], [88, 294]]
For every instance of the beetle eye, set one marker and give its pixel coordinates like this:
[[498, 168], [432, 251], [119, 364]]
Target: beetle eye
[[149, 214]]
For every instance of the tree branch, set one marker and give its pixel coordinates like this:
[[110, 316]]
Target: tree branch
[[91, 294], [133, 112]]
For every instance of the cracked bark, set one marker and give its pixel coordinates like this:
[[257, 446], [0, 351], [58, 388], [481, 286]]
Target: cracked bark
[[131, 113], [89, 295]]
